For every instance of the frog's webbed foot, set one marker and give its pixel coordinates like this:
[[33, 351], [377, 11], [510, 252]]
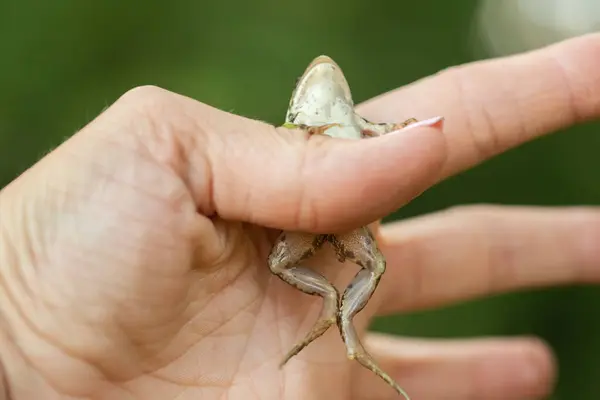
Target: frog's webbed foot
[[312, 130], [370, 129], [290, 249], [360, 248]]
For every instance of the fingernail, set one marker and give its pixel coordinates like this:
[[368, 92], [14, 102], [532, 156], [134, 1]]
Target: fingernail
[[435, 122]]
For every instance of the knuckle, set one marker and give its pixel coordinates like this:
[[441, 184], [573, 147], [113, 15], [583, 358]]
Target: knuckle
[[308, 214], [144, 92], [481, 124], [491, 122], [147, 99]]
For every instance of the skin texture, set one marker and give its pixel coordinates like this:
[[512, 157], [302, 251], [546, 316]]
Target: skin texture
[[132, 257]]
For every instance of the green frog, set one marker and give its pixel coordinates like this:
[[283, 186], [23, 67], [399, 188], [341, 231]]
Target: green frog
[[322, 104]]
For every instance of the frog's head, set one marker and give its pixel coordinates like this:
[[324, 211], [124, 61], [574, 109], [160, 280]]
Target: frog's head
[[322, 95]]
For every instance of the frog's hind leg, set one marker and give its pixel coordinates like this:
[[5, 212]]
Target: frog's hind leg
[[290, 249], [360, 247]]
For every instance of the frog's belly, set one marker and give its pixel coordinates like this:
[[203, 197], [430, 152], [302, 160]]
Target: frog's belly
[[344, 132], [339, 112]]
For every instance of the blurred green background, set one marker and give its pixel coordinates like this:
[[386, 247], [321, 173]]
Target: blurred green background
[[64, 61]]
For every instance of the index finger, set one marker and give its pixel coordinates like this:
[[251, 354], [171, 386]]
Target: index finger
[[494, 105]]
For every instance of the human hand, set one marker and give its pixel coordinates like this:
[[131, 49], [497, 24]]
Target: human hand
[[133, 256]]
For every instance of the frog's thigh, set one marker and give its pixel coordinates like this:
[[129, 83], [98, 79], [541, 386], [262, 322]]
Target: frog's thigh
[[359, 247], [289, 250]]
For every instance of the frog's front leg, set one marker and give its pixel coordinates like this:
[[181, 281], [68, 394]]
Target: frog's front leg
[[360, 247], [370, 129], [311, 130], [289, 250]]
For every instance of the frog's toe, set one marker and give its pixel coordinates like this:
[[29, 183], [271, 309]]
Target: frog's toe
[[320, 327]]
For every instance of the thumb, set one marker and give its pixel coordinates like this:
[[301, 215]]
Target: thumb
[[289, 180], [247, 170]]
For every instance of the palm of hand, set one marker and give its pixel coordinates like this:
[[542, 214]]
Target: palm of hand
[[163, 302]]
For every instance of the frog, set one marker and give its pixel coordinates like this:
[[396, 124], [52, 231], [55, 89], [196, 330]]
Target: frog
[[322, 104]]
